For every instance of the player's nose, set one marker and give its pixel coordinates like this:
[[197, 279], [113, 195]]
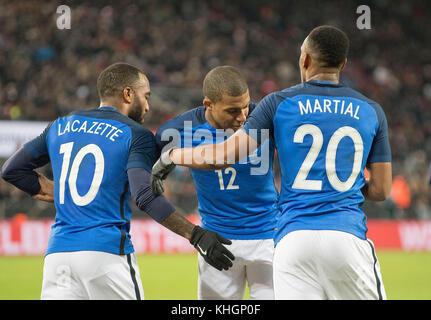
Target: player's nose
[[242, 117]]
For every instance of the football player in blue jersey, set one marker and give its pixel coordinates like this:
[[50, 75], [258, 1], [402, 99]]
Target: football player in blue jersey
[[232, 202], [100, 158], [326, 134]]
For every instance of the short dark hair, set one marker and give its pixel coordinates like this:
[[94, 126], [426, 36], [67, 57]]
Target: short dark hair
[[224, 80], [115, 78], [331, 44]]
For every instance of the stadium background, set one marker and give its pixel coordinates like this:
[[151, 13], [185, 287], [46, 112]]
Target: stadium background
[[46, 73]]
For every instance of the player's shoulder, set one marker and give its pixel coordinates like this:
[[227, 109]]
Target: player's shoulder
[[137, 130], [274, 99], [141, 134], [105, 113], [290, 92], [373, 104], [251, 107], [196, 116], [340, 89]]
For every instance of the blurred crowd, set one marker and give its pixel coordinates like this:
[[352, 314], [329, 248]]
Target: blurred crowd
[[46, 72]]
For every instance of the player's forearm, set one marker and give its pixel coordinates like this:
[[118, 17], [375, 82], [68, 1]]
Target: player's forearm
[[373, 193], [216, 156], [18, 171], [179, 224], [364, 190], [157, 207], [208, 157], [378, 187]]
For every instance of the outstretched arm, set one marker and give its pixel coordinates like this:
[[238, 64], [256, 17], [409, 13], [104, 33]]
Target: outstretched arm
[[206, 157], [216, 156], [222, 155]]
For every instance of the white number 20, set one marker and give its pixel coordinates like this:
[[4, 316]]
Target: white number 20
[[66, 149], [301, 181]]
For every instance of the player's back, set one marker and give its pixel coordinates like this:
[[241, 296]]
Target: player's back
[[90, 152], [325, 134]]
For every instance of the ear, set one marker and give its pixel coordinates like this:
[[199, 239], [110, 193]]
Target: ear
[[344, 64], [207, 103], [128, 94], [307, 61]]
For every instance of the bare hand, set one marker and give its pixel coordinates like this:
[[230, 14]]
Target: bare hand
[[46, 192]]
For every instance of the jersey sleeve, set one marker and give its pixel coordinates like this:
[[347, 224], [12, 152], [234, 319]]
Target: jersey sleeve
[[157, 207], [251, 107], [38, 146], [169, 134], [143, 151], [19, 168], [262, 117], [380, 149]]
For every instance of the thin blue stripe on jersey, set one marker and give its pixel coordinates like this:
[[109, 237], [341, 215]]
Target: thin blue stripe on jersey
[[90, 152], [325, 135], [232, 202]]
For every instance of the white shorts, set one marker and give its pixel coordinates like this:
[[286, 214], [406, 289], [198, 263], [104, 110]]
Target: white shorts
[[252, 265], [325, 264], [95, 275]]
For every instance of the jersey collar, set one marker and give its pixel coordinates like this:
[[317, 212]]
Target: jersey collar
[[108, 108], [324, 83]]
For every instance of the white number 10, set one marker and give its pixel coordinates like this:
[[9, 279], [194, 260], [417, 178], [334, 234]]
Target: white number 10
[[301, 181], [66, 149]]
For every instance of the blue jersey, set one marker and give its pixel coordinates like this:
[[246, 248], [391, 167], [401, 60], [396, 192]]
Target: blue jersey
[[239, 202], [325, 135], [90, 153]]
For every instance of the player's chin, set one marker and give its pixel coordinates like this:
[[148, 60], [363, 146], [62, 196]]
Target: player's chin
[[142, 118], [137, 118]]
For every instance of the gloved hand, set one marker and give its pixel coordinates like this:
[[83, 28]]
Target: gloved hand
[[210, 246], [161, 170]]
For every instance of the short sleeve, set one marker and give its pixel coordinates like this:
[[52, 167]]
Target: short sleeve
[[168, 136], [143, 151], [262, 117], [380, 149]]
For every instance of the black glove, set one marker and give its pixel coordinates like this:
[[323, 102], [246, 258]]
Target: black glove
[[210, 246], [160, 171]]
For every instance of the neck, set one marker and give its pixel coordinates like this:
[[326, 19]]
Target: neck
[[331, 76], [107, 103]]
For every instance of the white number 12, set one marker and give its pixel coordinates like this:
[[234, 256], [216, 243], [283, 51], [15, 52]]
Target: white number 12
[[230, 185]]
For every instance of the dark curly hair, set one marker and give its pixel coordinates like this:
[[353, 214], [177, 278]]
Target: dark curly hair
[[331, 44], [115, 78]]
